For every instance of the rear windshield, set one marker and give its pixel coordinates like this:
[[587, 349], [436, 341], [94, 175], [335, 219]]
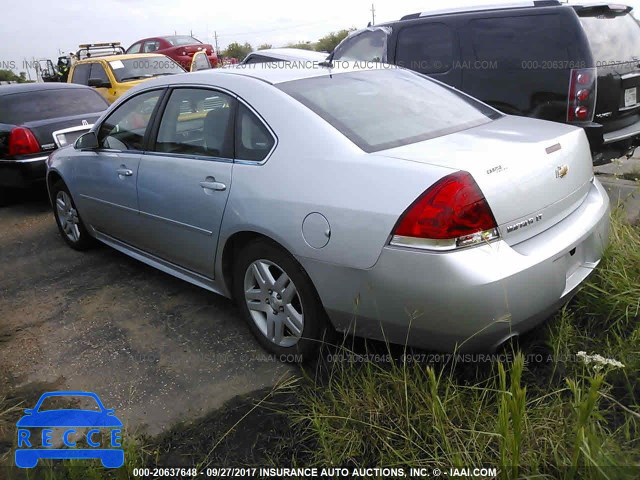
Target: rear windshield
[[381, 109], [182, 40], [19, 108], [144, 67], [613, 39]]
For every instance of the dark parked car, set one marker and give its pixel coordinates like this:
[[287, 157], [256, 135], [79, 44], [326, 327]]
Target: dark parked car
[[180, 48], [543, 59], [35, 119]]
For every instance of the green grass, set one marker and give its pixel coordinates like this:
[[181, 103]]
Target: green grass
[[539, 412], [558, 417]]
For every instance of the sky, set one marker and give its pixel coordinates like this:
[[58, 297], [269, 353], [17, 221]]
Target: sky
[[41, 28]]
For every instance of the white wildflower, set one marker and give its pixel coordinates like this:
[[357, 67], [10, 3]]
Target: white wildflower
[[598, 361]]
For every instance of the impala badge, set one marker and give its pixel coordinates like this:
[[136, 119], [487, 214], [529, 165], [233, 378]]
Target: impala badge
[[562, 171]]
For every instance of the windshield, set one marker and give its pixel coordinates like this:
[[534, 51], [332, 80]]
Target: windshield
[[182, 40], [20, 108], [381, 109], [613, 39], [138, 68]]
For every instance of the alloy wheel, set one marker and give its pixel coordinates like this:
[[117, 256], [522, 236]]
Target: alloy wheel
[[274, 303], [68, 216]]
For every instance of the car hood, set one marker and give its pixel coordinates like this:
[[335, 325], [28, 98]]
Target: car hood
[[69, 418]]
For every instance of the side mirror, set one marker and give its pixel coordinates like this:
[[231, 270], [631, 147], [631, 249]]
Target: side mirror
[[87, 141], [97, 83]]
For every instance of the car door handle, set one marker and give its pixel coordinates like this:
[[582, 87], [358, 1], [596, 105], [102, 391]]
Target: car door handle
[[124, 172], [211, 184]]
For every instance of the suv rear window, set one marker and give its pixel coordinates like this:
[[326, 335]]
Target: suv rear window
[[19, 108], [381, 109], [613, 38]]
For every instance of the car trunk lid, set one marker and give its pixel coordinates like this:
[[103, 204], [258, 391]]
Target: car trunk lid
[[44, 129], [532, 173]]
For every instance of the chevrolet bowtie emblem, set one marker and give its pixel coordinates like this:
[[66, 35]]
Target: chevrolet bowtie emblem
[[562, 171]]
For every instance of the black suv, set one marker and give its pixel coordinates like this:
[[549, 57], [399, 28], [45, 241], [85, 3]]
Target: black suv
[[577, 64]]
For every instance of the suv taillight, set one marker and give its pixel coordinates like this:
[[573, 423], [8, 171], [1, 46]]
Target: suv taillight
[[582, 95], [452, 213], [22, 141]]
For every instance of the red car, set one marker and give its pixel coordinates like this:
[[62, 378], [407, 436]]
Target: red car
[[180, 48]]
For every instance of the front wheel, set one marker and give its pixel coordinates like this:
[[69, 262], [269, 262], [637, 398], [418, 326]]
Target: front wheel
[[69, 222], [278, 301]]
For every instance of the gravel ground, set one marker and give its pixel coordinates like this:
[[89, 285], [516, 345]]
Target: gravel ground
[[154, 348]]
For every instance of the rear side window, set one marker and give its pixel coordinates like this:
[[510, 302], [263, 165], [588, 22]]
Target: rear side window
[[613, 38], [253, 140], [381, 109], [514, 42], [428, 48], [19, 108], [81, 74], [150, 47]]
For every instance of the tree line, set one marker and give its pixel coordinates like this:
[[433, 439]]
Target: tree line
[[324, 44]]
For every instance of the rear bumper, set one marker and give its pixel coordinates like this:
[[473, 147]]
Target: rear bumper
[[625, 133], [472, 299], [22, 173], [611, 145]]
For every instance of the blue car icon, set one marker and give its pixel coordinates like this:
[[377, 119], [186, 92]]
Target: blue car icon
[[32, 448]]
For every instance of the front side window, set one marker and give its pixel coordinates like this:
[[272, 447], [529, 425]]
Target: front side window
[[381, 109], [369, 46], [197, 122], [125, 128], [253, 139], [98, 73], [81, 74]]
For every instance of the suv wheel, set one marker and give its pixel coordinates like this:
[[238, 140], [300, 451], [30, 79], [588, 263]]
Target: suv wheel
[[278, 301], [68, 219]]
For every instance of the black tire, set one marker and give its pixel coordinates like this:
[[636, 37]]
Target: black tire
[[316, 327], [84, 240]]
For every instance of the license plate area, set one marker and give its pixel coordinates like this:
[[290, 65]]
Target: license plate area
[[630, 97]]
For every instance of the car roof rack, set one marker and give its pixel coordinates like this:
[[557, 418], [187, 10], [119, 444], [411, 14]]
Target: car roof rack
[[481, 8], [90, 50]]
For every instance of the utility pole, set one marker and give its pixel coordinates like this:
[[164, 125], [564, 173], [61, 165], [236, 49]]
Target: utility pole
[[215, 35], [373, 15]]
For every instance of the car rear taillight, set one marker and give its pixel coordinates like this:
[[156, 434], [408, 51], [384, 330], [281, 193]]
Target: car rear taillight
[[22, 141], [452, 213], [582, 95]]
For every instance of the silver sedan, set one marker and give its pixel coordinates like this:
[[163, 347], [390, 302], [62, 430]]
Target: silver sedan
[[372, 200]]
